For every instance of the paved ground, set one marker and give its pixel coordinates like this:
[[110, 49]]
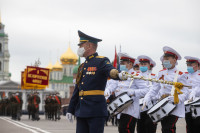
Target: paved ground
[[63, 126]]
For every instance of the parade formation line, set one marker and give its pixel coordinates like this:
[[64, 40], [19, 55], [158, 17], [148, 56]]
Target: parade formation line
[[22, 125]]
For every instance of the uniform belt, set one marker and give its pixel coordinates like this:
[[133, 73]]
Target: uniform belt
[[91, 92]]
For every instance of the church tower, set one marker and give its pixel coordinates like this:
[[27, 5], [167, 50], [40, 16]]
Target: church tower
[[4, 54], [69, 60]]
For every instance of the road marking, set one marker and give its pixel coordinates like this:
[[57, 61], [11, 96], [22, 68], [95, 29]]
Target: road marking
[[34, 129], [19, 125]]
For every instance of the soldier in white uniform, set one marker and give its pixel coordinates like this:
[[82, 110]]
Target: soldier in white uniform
[[145, 124], [193, 94], [170, 58], [137, 89], [136, 66], [128, 117], [192, 124]]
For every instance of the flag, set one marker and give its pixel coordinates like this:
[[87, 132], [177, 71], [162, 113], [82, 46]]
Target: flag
[[115, 59], [118, 63]]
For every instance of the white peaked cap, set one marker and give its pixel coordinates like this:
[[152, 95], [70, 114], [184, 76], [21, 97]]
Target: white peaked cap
[[168, 50]]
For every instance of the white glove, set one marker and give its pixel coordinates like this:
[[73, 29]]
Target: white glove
[[69, 117], [145, 102], [192, 95], [130, 92], [123, 75], [107, 92], [171, 98]]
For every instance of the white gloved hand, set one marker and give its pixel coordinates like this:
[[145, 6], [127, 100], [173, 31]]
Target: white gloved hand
[[69, 117], [123, 75], [130, 92], [171, 98], [107, 93], [192, 96], [145, 102]]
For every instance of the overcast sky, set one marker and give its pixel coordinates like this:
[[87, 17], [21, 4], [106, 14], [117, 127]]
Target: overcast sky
[[43, 28]]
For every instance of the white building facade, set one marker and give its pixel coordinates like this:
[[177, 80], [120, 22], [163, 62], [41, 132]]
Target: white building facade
[[4, 55]]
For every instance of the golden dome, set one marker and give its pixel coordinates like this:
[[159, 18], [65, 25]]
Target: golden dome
[[50, 66], [69, 57], [57, 67]]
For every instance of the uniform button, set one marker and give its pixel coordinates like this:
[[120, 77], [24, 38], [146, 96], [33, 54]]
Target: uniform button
[[86, 62], [83, 75], [84, 68], [82, 83], [81, 98]]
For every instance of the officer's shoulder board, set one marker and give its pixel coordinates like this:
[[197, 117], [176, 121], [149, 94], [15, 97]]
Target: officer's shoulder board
[[132, 72], [104, 58], [101, 57], [199, 74], [180, 73], [162, 70], [137, 73], [153, 74], [186, 72]]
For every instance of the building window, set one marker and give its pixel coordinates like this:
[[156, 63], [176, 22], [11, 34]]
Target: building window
[[51, 77], [66, 94], [54, 76], [71, 70], [0, 47], [53, 86], [0, 65], [65, 71]]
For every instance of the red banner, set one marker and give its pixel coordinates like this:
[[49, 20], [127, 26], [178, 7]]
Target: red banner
[[35, 78]]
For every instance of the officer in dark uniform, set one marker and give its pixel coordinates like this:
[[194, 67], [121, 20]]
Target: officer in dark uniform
[[88, 103]]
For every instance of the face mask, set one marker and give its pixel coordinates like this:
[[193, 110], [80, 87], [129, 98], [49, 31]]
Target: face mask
[[81, 51], [167, 64], [143, 68], [190, 69], [123, 68]]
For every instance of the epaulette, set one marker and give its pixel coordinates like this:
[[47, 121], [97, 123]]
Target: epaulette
[[186, 72], [162, 70], [180, 73], [153, 74], [138, 71], [199, 74], [100, 56], [132, 72]]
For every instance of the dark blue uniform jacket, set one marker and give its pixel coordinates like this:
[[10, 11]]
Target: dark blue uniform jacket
[[96, 70]]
